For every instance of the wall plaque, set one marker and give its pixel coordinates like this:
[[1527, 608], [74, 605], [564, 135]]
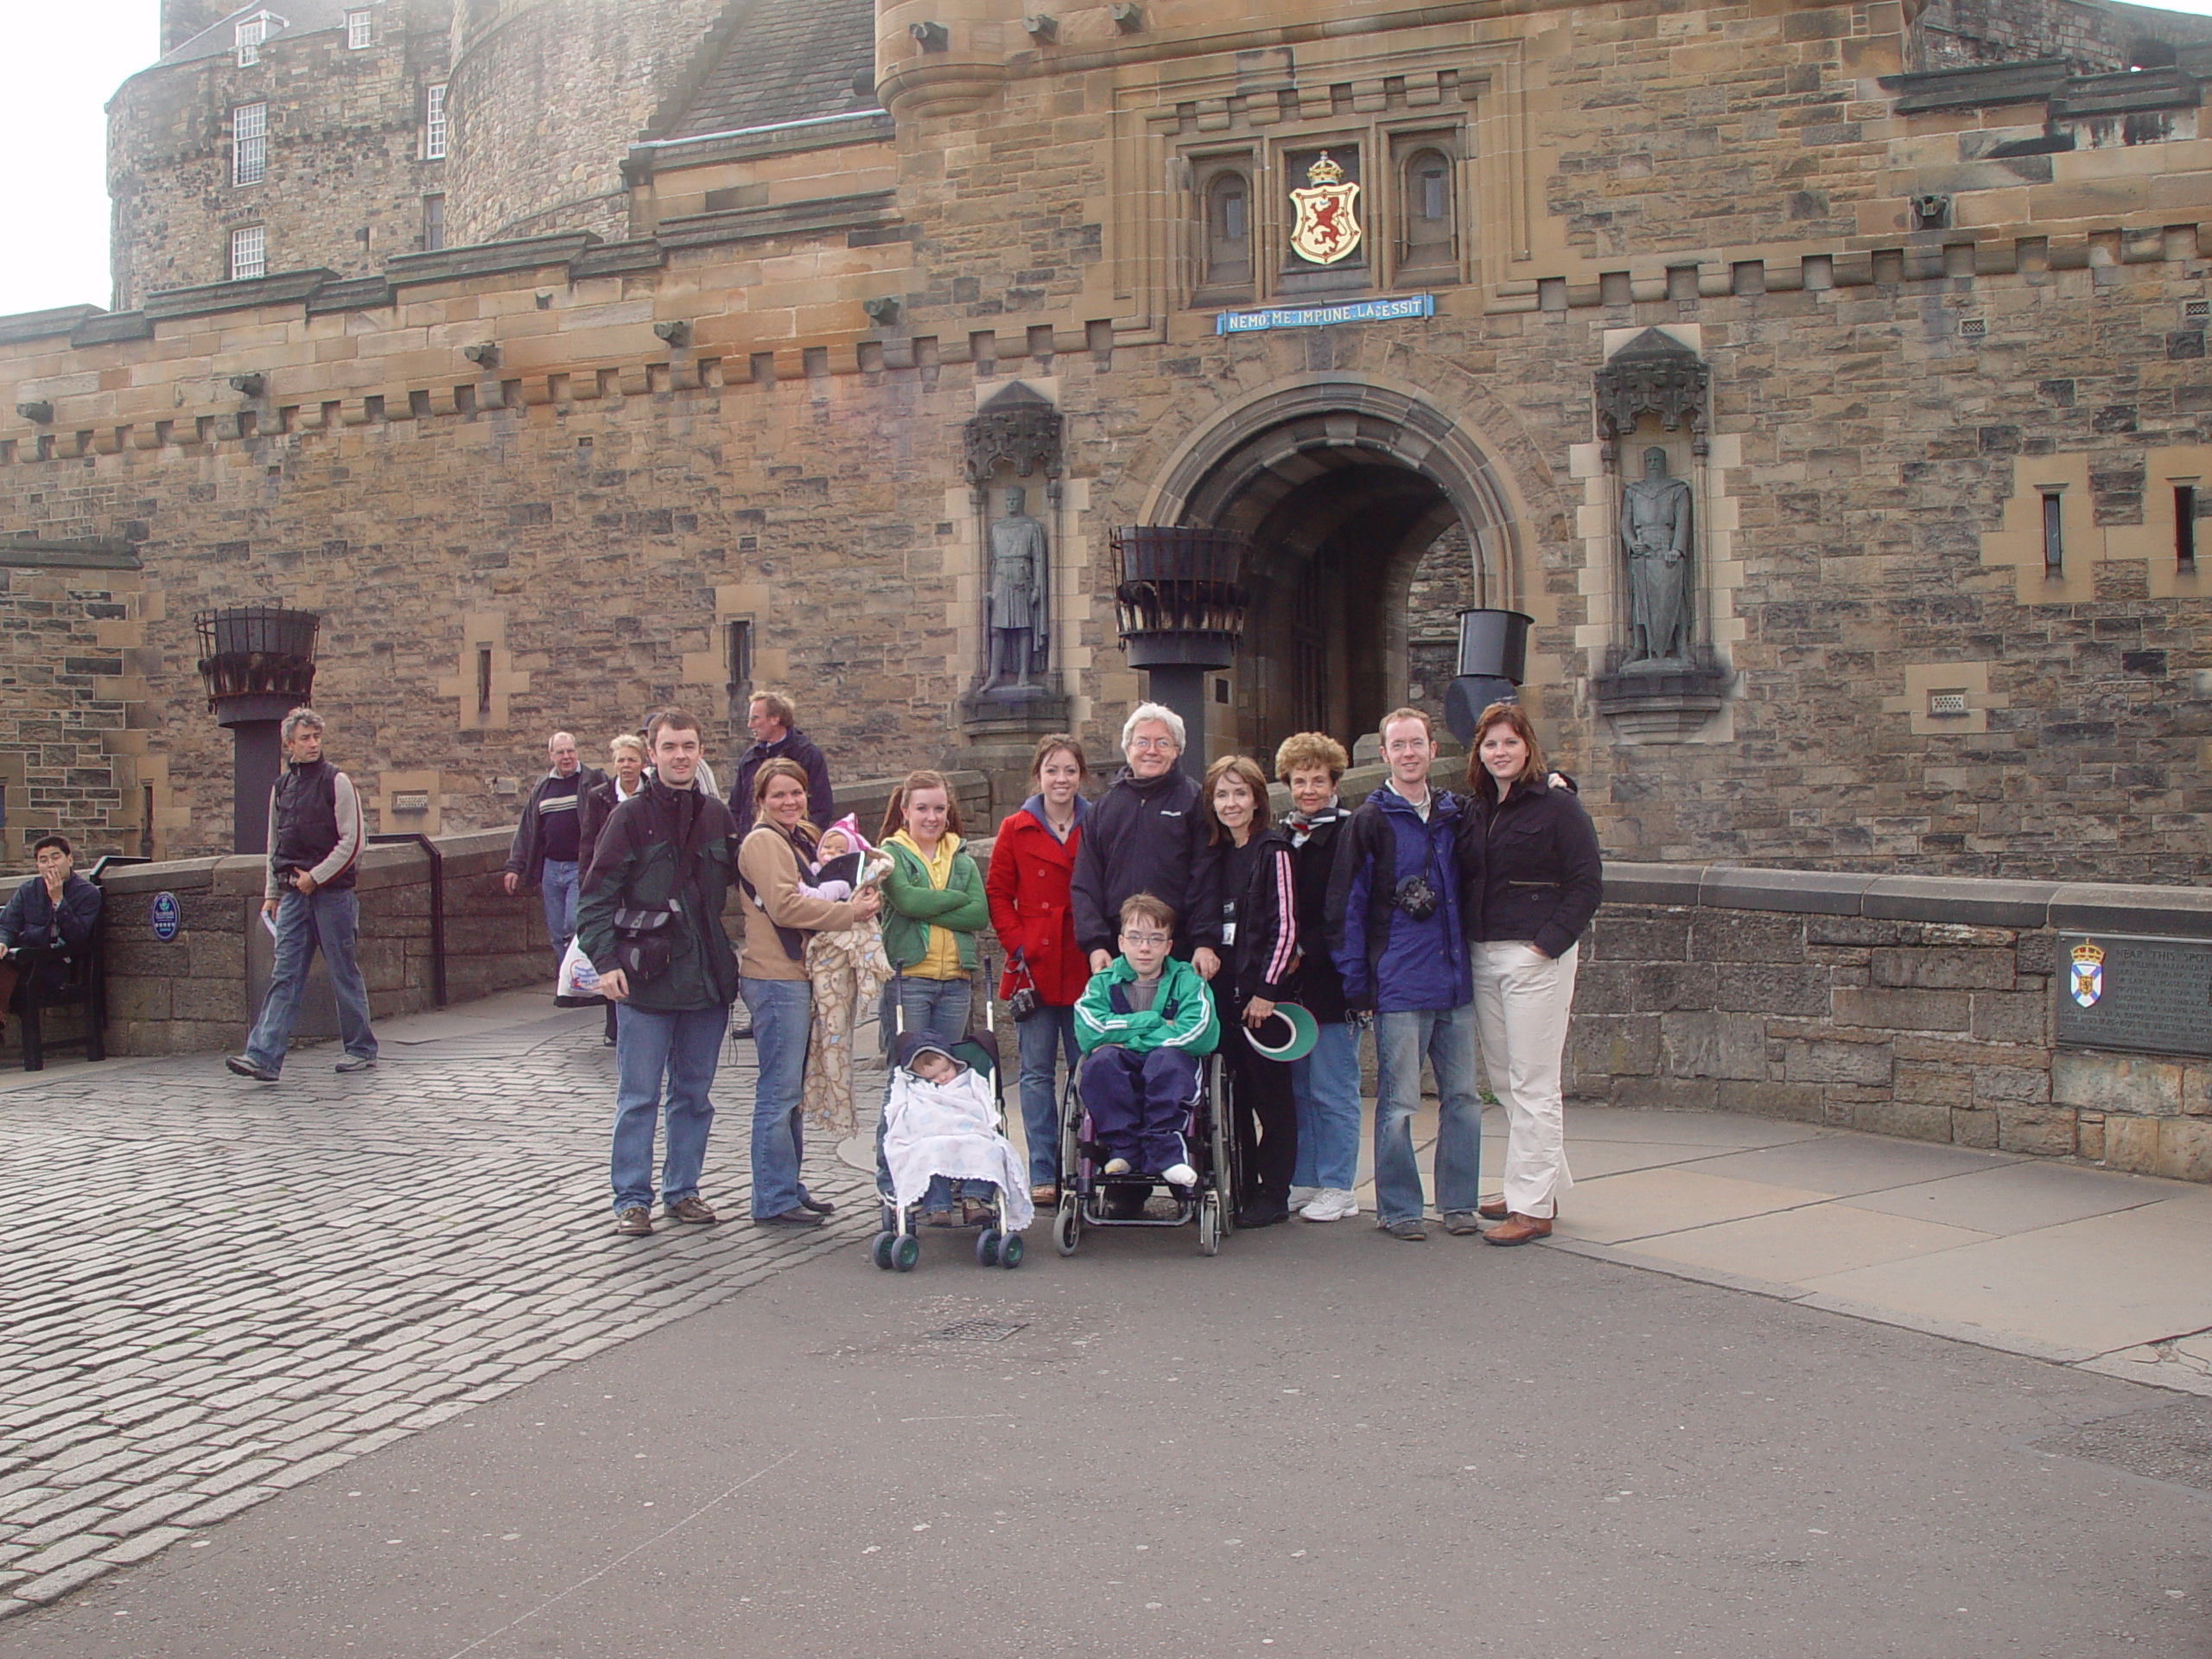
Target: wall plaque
[[2149, 995], [168, 917]]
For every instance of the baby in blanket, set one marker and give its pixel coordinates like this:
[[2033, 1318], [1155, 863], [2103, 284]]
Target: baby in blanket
[[942, 1126]]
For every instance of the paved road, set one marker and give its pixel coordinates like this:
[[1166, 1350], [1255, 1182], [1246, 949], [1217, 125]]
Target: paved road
[[377, 1328]]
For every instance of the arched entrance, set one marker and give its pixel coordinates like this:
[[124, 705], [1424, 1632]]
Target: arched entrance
[[1372, 518]]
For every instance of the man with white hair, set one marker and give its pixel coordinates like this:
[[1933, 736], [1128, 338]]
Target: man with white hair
[[1147, 834], [548, 844]]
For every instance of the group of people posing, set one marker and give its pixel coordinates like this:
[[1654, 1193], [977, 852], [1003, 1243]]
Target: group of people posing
[[1140, 930]]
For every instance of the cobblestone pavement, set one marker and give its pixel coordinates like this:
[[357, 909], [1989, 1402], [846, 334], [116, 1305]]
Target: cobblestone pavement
[[214, 1290]]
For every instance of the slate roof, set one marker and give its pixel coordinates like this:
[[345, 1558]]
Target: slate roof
[[287, 19], [772, 61]]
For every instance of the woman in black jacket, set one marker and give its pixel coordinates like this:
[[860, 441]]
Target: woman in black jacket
[[1259, 936], [1325, 1083], [1542, 879]]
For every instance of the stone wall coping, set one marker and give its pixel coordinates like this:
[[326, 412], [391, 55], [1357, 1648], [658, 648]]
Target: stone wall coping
[[2076, 906], [750, 144], [381, 865], [44, 324]]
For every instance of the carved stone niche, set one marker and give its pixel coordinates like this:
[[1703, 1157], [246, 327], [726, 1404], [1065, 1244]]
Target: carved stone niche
[[1013, 438], [1018, 429], [1650, 693]]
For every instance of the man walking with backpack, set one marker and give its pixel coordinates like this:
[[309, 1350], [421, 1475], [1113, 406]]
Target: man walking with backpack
[[650, 918]]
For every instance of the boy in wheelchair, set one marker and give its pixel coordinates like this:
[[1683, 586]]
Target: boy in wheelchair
[[1144, 1023]]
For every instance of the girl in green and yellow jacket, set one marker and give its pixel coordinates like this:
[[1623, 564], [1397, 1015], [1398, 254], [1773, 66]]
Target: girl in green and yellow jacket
[[933, 906]]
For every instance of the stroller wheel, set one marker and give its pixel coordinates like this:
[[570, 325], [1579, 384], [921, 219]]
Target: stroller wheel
[[1010, 1251], [986, 1248], [904, 1252], [1067, 1227], [880, 1252]]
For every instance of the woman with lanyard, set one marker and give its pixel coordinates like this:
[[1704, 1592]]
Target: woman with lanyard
[[626, 751], [1259, 936], [774, 861], [1325, 1083], [1026, 887], [933, 905]]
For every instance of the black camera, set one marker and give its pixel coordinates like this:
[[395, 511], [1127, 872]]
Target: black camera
[[1416, 898]]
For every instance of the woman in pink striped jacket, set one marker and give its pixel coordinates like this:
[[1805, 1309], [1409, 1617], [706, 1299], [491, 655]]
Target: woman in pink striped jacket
[[1259, 940]]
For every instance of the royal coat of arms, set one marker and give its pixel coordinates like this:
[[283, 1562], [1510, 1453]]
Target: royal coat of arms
[[2087, 981], [1328, 218]]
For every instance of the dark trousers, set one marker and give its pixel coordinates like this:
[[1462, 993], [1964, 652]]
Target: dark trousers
[[1138, 1103], [1263, 1113]]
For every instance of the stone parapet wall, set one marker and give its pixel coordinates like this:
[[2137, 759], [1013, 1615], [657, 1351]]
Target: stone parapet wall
[[1910, 1006]]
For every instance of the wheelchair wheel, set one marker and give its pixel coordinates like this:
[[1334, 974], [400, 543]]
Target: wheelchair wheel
[[1067, 1226], [1209, 1225], [986, 1248], [1010, 1251], [905, 1252], [880, 1252], [1223, 1146]]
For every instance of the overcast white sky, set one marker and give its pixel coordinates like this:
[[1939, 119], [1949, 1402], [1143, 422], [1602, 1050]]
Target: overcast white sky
[[59, 65]]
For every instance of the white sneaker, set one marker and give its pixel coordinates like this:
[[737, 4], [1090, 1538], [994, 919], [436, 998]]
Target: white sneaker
[[1302, 1195], [1179, 1175], [1332, 1204], [1117, 1165]]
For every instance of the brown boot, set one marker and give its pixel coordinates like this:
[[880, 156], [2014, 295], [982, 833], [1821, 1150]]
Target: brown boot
[[1519, 1229], [1492, 1210]]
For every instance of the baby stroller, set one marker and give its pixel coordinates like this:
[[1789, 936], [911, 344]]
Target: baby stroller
[[975, 1152], [1091, 1198]]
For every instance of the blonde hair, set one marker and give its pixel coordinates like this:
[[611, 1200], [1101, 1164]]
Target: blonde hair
[[622, 741]]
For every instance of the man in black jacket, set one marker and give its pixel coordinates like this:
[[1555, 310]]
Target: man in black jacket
[[548, 849], [663, 867], [57, 906], [315, 833], [1145, 835], [772, 722]]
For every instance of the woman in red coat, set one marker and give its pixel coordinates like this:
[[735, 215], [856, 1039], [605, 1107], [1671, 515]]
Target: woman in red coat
[[1028, 889]]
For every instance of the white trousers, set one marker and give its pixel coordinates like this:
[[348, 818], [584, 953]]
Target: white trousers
[[1522, 1002]]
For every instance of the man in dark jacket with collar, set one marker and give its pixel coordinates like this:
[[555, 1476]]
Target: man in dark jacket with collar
[[1145, 835], [1398, 943], [663, 869], [772, 722], [56, 907], [548, 851]]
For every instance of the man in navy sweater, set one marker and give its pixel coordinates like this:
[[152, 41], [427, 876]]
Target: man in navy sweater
[[56, 907]]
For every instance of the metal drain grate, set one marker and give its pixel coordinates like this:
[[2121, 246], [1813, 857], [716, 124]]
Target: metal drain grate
[[977, 1331]]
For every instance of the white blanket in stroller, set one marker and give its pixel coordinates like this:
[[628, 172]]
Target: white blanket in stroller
[[951, 1129]]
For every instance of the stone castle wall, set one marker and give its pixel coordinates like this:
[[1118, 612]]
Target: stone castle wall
[[564, 535], [345, 172]]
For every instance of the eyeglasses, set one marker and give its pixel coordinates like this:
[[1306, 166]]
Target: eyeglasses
[[1152, 743], [1146, 938]]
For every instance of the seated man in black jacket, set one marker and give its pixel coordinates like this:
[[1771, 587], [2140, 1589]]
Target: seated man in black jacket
[[58, 907]]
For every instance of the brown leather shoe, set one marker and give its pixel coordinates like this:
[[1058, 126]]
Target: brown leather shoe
[[691, 1208], [1492, 1210], [1519, 1229]]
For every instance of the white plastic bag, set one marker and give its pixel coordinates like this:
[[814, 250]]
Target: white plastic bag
[[578, 977]]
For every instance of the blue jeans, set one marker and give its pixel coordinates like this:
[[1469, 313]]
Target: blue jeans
[[938, 1005], [682, 1048], [1326, 1086], [782, 1012], [1447, 1037], [329, 919], [1045, 1037], [557, 888]]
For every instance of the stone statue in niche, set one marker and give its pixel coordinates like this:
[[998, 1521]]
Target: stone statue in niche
[[1656, 528], [1017, 611]]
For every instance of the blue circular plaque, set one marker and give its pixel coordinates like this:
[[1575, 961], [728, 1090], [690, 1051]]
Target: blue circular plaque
[[168, 915]]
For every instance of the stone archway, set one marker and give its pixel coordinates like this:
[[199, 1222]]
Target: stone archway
[[1349, 490]]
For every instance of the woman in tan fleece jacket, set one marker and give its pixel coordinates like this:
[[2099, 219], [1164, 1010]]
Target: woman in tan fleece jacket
[[773, 861]]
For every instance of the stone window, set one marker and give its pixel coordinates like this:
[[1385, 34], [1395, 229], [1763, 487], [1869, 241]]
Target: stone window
[[1224, 195], [247, 37], [360, 31], [434, 123], [433, 222], [2185, 526], [1428, 229], [738, 649], [249, 252], [249, 143]]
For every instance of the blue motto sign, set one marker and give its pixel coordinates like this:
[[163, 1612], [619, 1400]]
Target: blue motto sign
[[168, 916]]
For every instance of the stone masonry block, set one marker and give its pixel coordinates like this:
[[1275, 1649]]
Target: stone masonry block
[[1748, 936], [2047, 1131], [1910, 1119], [1659, 938], [1941, 969], [1836, 1062], [1973, 1128], [2012, 1016], [2116, 1083], [2132, 1143], [2185, 1149], [1904, 1010], [2010, 1085], [1935, 1085], [2196, 1091], [1798, 1103], [1695, 1044], [1614, 1045], [1851, 930], [1761, 987]]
